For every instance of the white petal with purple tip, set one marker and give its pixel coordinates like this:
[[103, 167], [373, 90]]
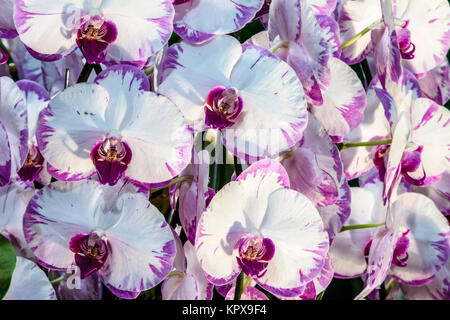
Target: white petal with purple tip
[[69, 128], [123, 84], [198, 19], [429, 237], [293, 224], [47, 27], [28, 282], [13, 117], [262, 130], [429, 123], [188, 75], [344, 101], [142, 247], [37, 99], [159, 139], [150, 23], [58, 212], [428, 24]]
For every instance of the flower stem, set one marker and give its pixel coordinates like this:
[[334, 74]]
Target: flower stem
[[346, 145], [174, 181], [362, 226], [98, 68], [360, 34], [248, 279], [150, 70], [389, 286], [239, 286], [56, 281], [85, 73], [282, 44], [67, 78]]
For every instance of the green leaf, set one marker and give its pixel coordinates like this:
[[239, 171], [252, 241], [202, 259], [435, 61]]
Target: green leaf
[[7, 264]]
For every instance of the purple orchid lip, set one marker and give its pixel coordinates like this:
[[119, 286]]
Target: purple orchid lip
[[33, 164], [93, 38], [91, 252], [223, 107], [407, 48], [400, 252], [411, 159], [111, 158], [254, 255], [379, 160]]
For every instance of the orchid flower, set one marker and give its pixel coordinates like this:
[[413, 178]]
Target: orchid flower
[[343, 100], [420, 27], [113, 231], [35, 166], [315, 170], [193, 194], [28, 282], [103, 30], [257, 225], [412, 245], [13, 130], [305, 42], [197, 21], [420, 138], [187, 281], [253, 97], [114, 127]]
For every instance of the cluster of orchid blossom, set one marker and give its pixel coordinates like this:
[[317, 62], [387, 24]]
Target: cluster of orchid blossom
[[115, 119]]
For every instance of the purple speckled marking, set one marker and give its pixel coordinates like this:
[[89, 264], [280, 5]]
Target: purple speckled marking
[[427, 116]]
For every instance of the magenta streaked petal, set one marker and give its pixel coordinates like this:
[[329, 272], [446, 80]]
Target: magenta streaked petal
[[344, 101], [47, 28], [14, 119], [428, 238], [436, 83], [195, 21]]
